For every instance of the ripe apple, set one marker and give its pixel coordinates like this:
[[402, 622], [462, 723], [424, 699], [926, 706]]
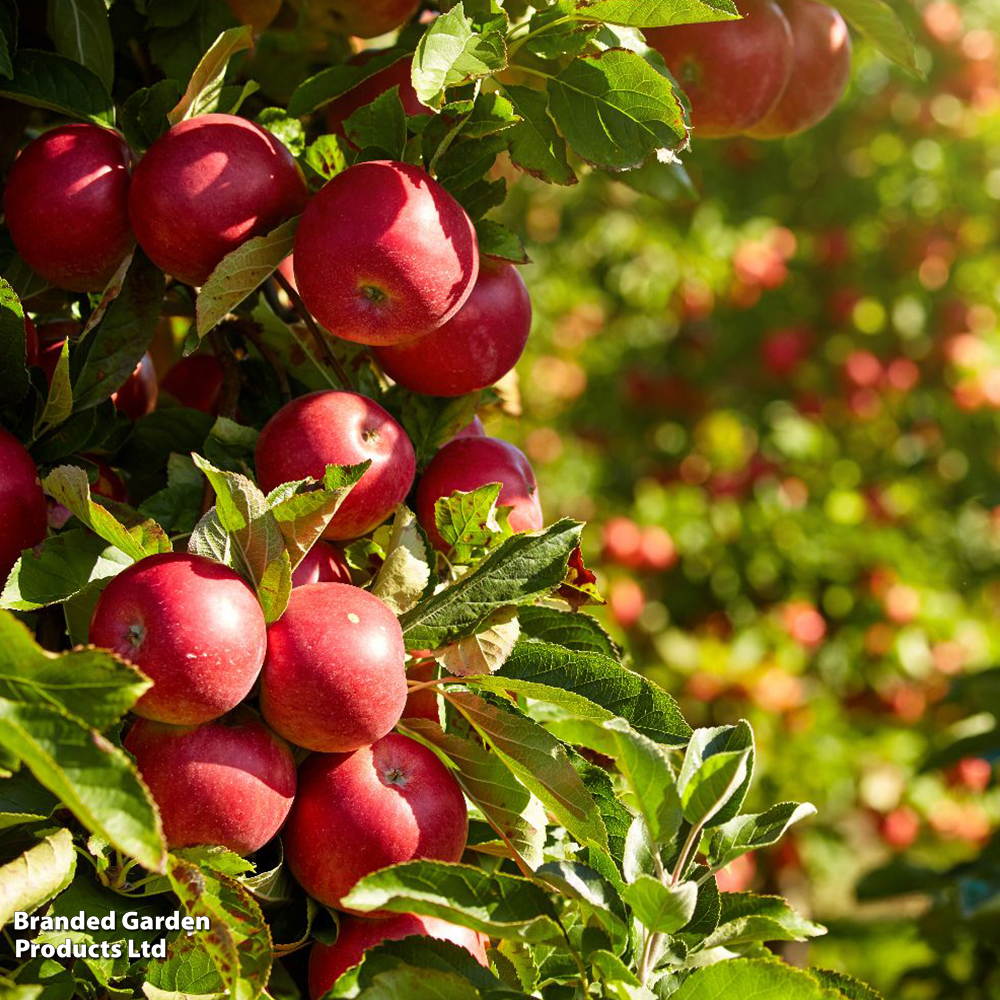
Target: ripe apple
[[257, 13], [196, 381], [323, 563], [22, 502], [192, 626], [382, 805], [327, 962], [397, 74], [821, 66], [733, 72], [349, 17], [339, 428], [334, 677], [230, 781], [465, 464], [422, 704], [137, 396], [384, 254], [207, 186], [477, 346], [66, 204]]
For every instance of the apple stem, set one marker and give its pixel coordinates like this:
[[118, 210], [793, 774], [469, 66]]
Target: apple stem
[[314, 328]]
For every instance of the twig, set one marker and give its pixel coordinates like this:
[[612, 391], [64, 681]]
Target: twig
[[230, 374], [321, 342]]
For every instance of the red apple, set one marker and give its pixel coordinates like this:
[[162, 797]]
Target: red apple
[[196, 381], [192, 626], [207, 186], [229, 782], [350, 17], [467, 463], [22, 503], [328, 962], [396, 74], [323, 563], [477, 346], [334, 677], [137, 396], [821, 66], [733, 72], [66, 204], [108, 483], [381, 805], [422, 704], [339, 428], [384, 254]]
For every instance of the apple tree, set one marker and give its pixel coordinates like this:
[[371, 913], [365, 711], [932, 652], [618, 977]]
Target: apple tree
[[288, 646]]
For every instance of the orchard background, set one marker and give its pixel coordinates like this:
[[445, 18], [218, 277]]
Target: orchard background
[[765, 372]]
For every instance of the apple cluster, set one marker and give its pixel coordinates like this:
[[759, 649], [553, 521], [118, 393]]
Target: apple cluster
[[778, 71], [384, 256]]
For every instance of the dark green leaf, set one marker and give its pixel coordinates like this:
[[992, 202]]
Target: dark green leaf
[[48, 80], [80, 31]]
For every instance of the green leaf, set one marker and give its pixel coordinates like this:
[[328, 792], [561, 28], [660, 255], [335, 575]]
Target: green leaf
[[708, 741], [94, 686], [498, 241], [143, 117], [70, 486], [490, 113], [845, 986], [590, 686], [59, 401], [202, 92], [303, 509], [746, 918], [8, 37], [336, 80], [615, 110], [238, 940], [883, 27], [524, 568], [230, 445], [489, 784], [80, 31], [595, 896], [94, 779], [573, 630], [535, 145], [38, 875], [455, 50], [380, 125], [762, 979], [539, 762], [240, 272], [285, 128], [426, 956], [23, 800], [500, 906], [430, 421], [177, 507], [644, 765], [14, 381], [326, 156], [419, 984], [755, 830], [468, 522], [713, 785], [187, 971], [558, 30], [406, 567], [659, 13], [256, 546], [111, 350], [51, 81], [660, 908]]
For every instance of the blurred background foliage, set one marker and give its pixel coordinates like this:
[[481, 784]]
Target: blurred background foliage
[[776, 394]]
